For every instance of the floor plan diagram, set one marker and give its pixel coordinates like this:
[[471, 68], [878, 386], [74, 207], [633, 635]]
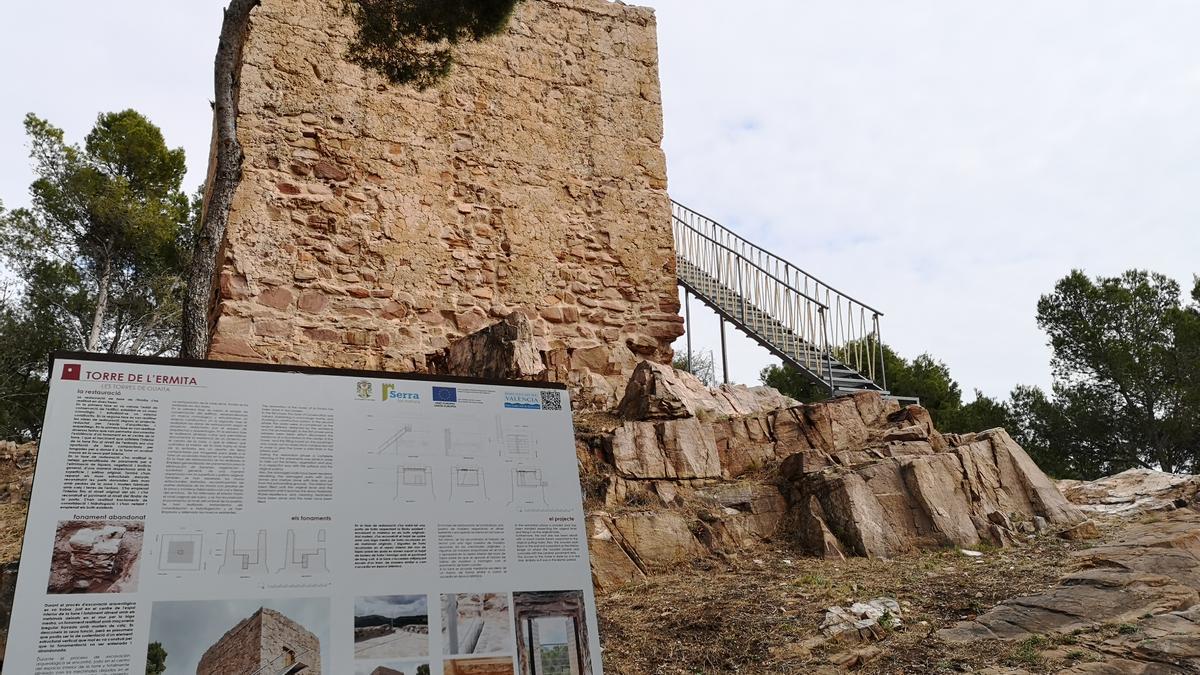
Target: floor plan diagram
[[181, 552]]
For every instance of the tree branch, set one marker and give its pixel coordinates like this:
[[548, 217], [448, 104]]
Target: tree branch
[[226, 177]]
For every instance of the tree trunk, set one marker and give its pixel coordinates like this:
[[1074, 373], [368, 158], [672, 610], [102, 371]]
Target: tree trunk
[[228, 173], [93, 341]]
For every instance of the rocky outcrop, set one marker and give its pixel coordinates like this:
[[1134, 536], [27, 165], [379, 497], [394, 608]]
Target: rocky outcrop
[[899, 492], [1132, 492], [694, 471], [1148, 583]]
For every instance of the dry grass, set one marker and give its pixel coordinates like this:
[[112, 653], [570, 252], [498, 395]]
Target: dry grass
[[13, 511], [753, 615]]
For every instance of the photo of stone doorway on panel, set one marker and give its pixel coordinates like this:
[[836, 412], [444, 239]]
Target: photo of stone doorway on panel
[[552, 633]]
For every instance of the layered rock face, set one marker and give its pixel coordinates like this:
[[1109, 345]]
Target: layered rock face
[[1132, 492], [904, 486], [1147, 582], [376, 224], [689, 472]]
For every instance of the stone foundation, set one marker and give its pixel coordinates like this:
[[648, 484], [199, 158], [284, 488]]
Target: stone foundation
[[376, 224]]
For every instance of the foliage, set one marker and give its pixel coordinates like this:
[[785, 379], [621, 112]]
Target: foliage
[[412, 41], [26, 339], [1125, 362], [156, 659], [700, 365], [102, 247], [99, 256], [924, 378], [791, 382], [423, 669]]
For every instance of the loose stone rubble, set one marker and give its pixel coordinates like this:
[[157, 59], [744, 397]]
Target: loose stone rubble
[[95, 557], [862, 621]]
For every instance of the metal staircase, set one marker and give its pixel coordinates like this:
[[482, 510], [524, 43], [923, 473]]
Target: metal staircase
[[826, 335]]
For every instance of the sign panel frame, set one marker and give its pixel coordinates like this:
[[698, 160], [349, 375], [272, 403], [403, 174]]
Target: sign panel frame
[[224, 516]]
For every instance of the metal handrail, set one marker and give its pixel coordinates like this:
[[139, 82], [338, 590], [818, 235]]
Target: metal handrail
[[752, 264], [680, 208], [806, 315]]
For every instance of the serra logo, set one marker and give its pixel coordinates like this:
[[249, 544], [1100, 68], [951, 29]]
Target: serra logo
[[390, 394]]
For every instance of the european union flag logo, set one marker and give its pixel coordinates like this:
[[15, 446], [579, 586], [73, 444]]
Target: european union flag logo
[[445, 395]]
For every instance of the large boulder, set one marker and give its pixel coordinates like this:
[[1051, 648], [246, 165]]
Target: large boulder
[[504, 350], [898, 493], [660, 392]]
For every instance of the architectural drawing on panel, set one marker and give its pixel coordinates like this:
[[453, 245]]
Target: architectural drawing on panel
[[517, 440], [465, 442], [404, 437], [305, 560], [414, 484], [244, 560], [528, 487], [467, 484], [181, 552]]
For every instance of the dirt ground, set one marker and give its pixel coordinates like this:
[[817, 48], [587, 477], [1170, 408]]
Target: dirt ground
[[751, 615]]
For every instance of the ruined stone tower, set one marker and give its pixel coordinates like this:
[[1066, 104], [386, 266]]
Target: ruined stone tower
[[374, 224], [266, 641]]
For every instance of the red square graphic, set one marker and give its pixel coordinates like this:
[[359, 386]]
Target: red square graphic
[[71, 371]]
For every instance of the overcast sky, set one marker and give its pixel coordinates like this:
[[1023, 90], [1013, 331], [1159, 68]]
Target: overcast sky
[[943, 161]]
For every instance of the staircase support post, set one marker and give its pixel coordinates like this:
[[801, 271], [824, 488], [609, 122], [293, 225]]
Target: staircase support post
[[882, 366], [828, 351], [687, 329], [724, 354]]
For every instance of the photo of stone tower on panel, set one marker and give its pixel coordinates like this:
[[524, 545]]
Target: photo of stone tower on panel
[[265, 642]]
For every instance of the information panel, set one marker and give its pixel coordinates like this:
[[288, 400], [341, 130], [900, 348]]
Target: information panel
[[200, 518]]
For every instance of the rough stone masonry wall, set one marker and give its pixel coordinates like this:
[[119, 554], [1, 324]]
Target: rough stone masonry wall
[[259, 641], [280, 633], [236, 651], [375, 224]]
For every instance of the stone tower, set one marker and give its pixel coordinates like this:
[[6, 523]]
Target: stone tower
[[266, 641], [374, 224]]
